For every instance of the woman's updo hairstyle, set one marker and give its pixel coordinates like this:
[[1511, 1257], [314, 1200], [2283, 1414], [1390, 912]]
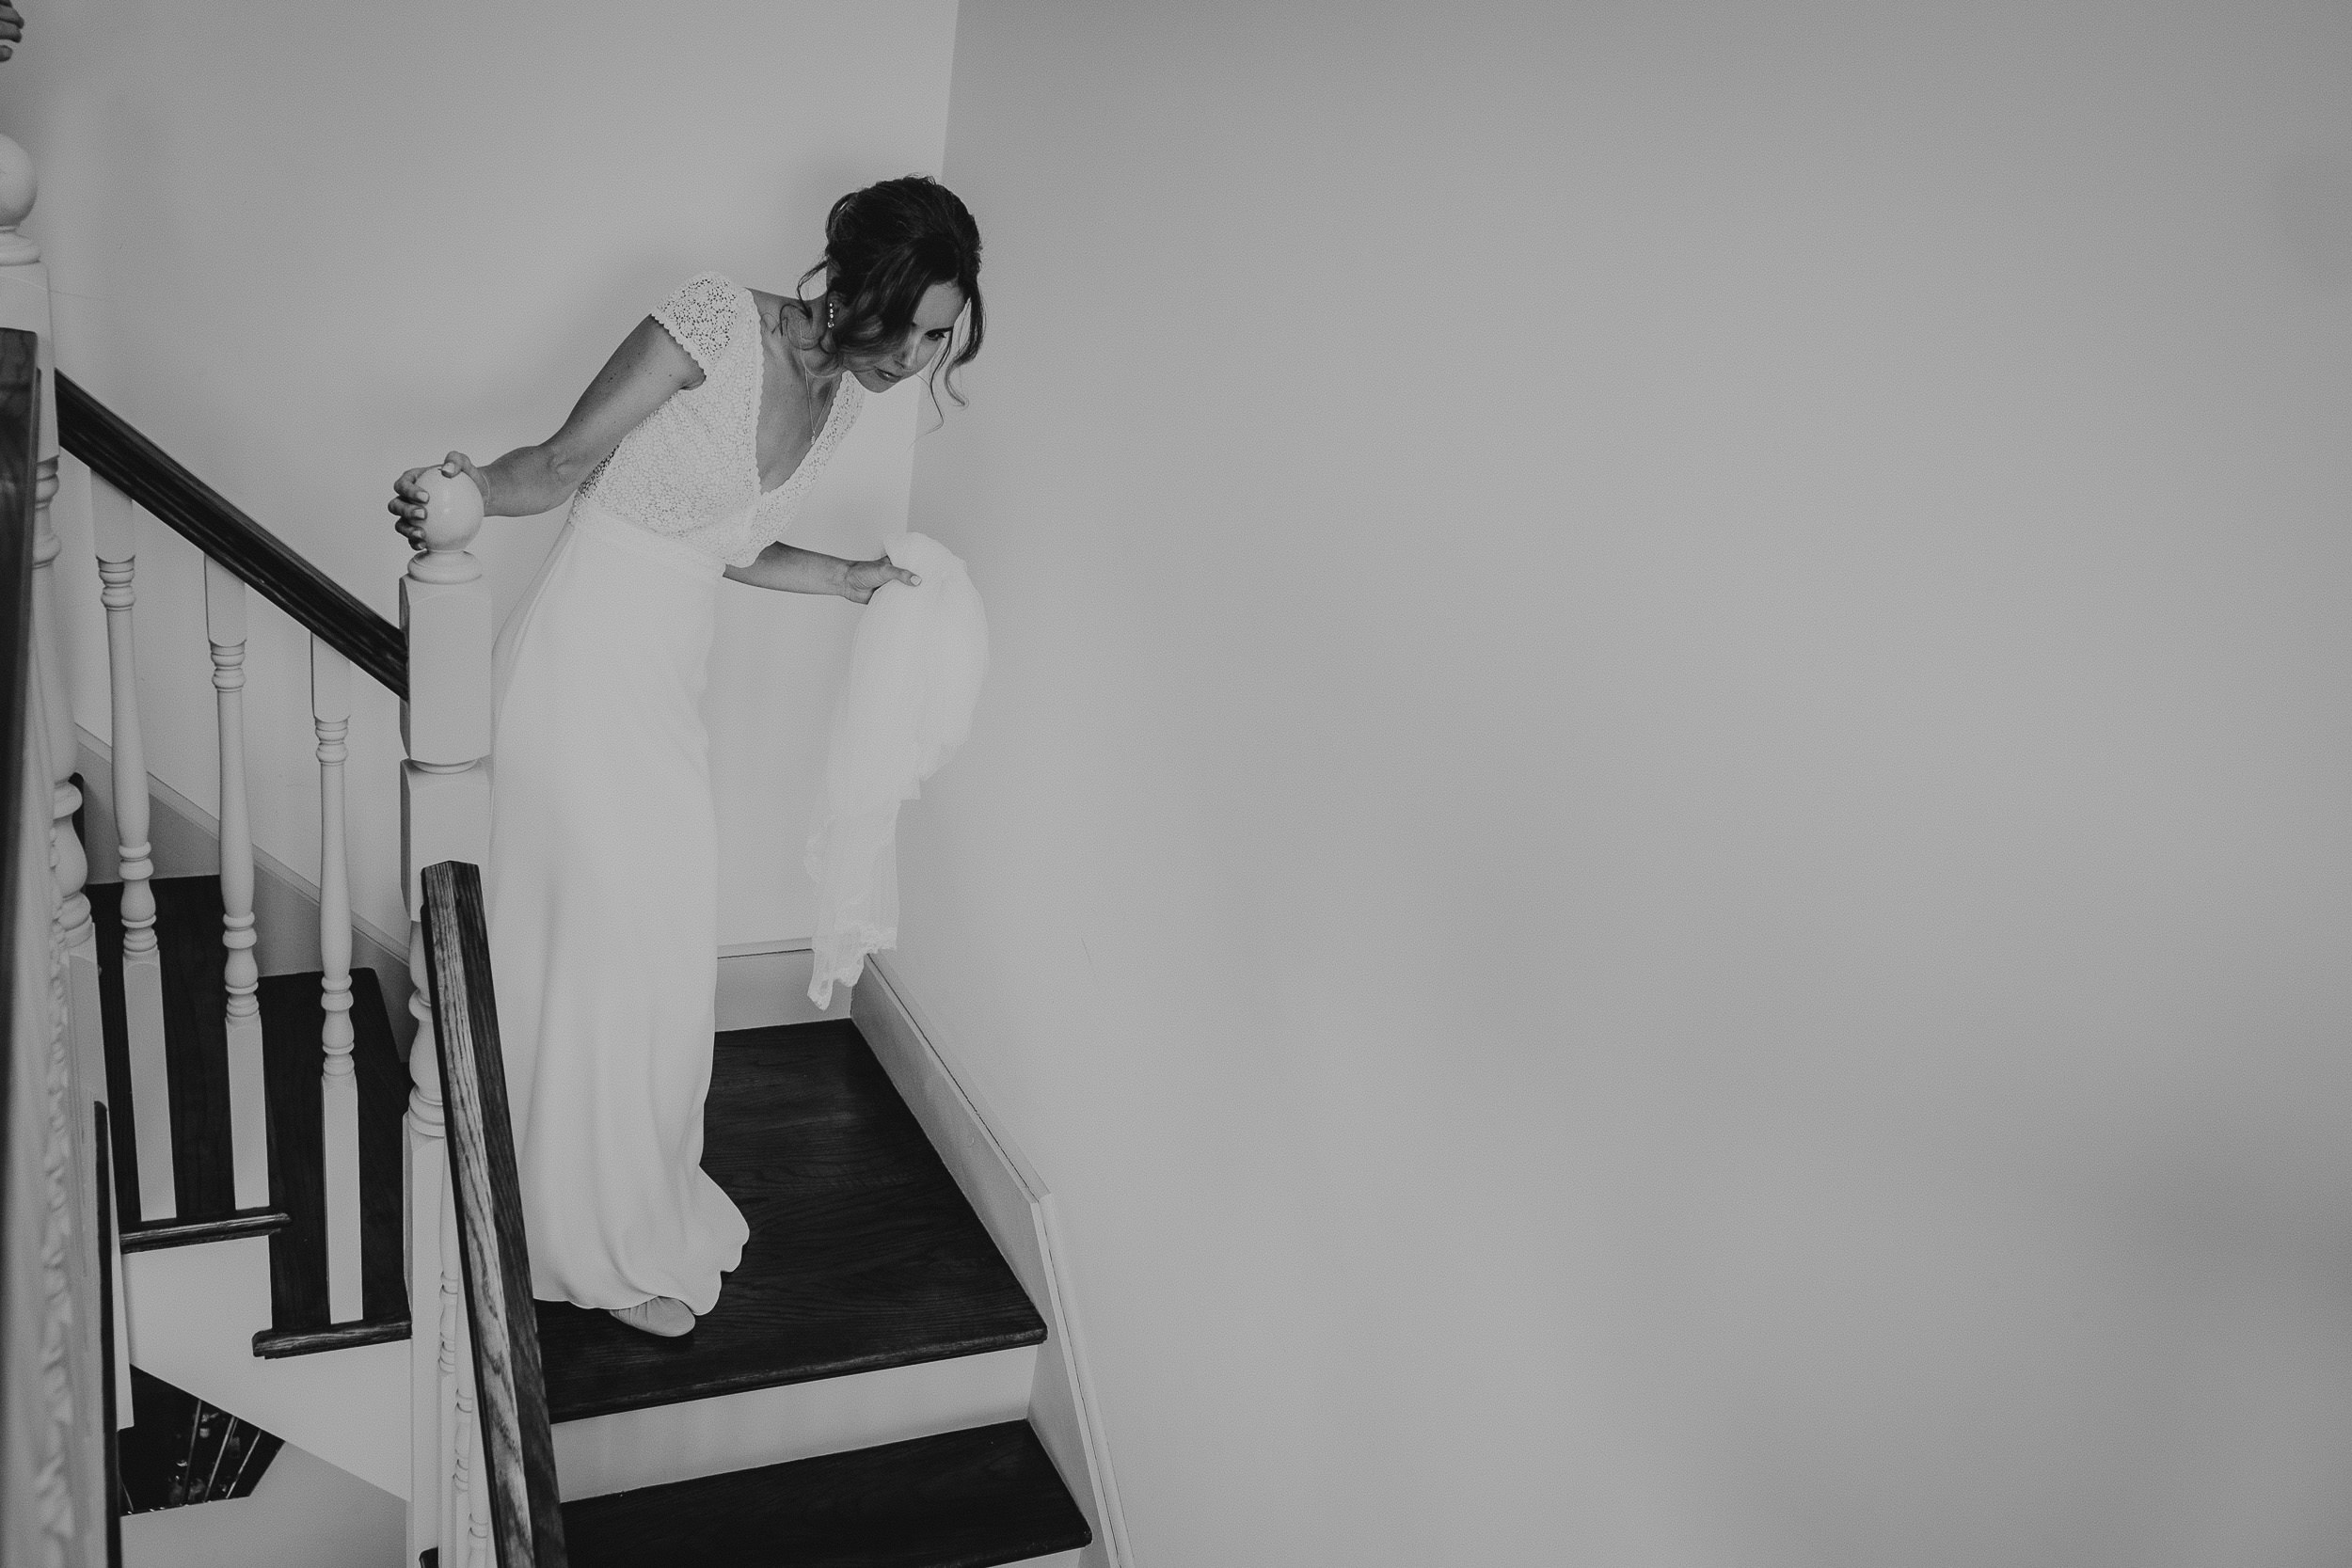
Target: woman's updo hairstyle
[[885, 246]]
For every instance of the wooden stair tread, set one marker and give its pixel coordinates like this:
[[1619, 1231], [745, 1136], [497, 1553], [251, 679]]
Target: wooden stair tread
[[862, 1253], [964, 1500], [234, 1226], [292, 1057], [196, 1051]]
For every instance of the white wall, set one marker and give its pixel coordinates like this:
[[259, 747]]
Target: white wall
[[305, 1513], [305, 246], [1658, 851]]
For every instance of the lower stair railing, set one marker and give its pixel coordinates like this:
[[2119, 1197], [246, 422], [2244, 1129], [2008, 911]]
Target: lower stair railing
[[500, 1504]]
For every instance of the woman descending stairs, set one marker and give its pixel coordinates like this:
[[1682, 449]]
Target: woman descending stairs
[[887, 1377]]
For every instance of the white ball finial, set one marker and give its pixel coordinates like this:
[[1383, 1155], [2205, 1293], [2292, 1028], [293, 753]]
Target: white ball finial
[[18, 189], [452, 515]]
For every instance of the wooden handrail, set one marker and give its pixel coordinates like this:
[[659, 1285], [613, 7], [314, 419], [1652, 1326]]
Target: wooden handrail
[[519, 1448], [19, 442], [140, 469]]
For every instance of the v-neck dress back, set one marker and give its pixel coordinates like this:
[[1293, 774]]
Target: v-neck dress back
[[602, 880], [690, 472]]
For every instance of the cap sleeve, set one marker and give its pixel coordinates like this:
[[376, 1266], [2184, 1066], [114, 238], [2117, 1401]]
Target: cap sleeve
[[701, 316]]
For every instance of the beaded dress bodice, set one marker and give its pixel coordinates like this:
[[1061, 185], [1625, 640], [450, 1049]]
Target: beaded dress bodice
[[690, 470]]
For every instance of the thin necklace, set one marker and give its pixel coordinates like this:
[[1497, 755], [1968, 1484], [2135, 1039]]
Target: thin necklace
[[800, 371]]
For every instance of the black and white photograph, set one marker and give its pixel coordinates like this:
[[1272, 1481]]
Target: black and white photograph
[[1230, 783]]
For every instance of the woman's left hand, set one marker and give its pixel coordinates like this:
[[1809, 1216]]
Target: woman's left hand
[[859, 582]]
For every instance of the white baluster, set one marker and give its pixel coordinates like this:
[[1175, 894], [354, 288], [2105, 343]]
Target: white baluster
[[117, 532], [445, 815], [339, 1085], [224, 624]]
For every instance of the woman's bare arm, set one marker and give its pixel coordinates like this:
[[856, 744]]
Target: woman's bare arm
[[789, 569], [643, 373]]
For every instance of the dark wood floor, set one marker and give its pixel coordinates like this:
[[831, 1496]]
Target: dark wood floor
[[965, 1500], [196, 1050], [291, 1021], [862, 1253]]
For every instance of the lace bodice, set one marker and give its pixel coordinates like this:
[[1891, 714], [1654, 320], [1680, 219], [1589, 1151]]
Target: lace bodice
[[690, 472]]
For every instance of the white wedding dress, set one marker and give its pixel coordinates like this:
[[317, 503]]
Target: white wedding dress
[[603, 874]]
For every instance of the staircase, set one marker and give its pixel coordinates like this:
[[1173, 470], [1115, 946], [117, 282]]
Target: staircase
[[889, 1377], [860, 1396]]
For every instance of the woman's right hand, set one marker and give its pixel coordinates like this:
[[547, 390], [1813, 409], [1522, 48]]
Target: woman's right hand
[[407, 503]]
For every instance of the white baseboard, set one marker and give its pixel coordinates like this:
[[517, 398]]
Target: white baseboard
[[1015, 1206]]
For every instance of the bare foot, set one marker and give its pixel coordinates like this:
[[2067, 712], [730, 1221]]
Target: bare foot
[[664, 1315]]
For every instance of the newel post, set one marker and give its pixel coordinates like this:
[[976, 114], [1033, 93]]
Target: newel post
[[25, 305], [445, 815], [62, 1447]]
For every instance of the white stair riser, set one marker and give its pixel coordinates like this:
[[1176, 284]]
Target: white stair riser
[[193, 1313], [799, 1421]]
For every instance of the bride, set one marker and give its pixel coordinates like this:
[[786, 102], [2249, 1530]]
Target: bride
[[684, 461]]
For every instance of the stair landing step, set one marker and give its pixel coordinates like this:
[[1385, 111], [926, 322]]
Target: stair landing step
[[964, 1500], [863, 1254]]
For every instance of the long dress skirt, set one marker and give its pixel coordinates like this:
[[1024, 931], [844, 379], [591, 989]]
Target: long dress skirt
[[603, 908]]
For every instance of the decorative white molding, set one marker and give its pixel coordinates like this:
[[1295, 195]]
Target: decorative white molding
[[54, 1484]]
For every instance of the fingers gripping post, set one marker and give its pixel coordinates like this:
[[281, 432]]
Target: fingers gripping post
[[452, 515]]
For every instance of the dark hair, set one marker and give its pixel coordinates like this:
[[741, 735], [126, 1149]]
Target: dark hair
[[885, 246]]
